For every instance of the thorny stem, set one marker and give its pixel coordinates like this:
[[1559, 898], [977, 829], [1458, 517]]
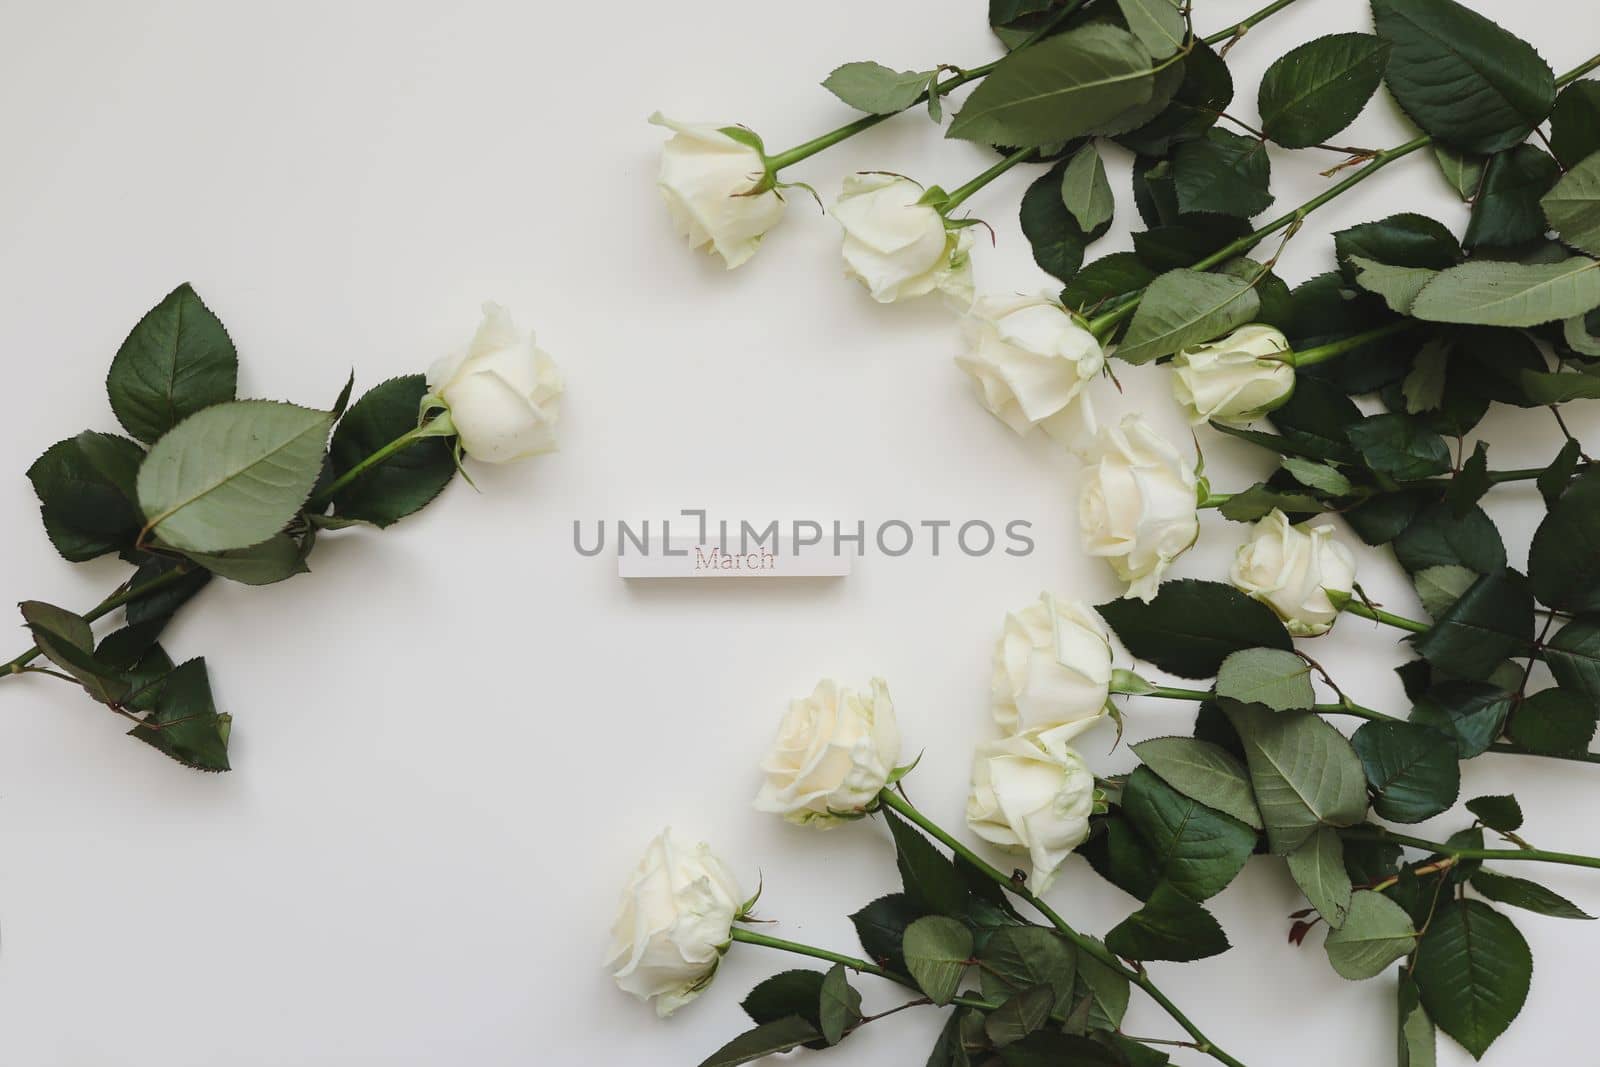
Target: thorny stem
[[1533, 855], [122, 595]]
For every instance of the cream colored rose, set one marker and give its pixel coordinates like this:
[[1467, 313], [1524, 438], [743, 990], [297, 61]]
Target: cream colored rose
[[897, 247], [1033, 793], [1292, 568], [835, 749], [708, 179], [502, 392], [1030, 358], [1138, 507], [675, 922], [1052, 665], [1236, 380]]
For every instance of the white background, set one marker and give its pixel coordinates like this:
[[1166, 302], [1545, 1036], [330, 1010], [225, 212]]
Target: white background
[[452, 741]]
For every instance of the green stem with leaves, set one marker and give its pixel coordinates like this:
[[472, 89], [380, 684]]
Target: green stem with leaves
[[124, 594], [898, 803], [1531, 855], [854, 963], [1321, 353], [438, 426], [1104, 324]]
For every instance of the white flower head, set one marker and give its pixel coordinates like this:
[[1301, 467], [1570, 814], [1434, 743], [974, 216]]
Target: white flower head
[[1292, 569], [1236, 380], [1030, 358], [899, 247], [712, 181], [834, 751], [502, 391], [1138, 509], [1052, 666], [1033, 793]]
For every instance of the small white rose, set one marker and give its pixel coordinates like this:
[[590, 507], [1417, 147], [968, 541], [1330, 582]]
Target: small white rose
[[834, 751], [1033, 793], [675, 922], [1291, 569], [709, 181], [1138, 507], [1030, 358], [1236, 380], [502, 392], [898, 247], [1052, 665]]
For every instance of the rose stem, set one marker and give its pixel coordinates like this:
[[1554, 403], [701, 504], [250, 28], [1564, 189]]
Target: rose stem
[[123, 595], [1531, 854], [889, 798], [751, 937]]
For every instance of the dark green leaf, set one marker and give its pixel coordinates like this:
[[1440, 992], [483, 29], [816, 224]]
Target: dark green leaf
[[1553, 482], [1060, 88], [1158, 24], [931, 882], [1501, 813], [1462, 170], [1119, 855], [1203, 772], [1021, 1015], [1530, 896], [1398, 287], [1400, 447], [1057, 240], [407, 480], [796, 992], [185, 724], [1258, 501], [1564, 558], [1573, 205], [86, 492], [1553, 722], [1560, 387], [164, 603], [1440, 587], [1473, 970], [937, 949], [1471, 713], [1106, 989], [1438, 538], [1304, 772], [1018, 958], [1470, 483], [1197, 851], [781, 1035], [1106, 279], [1186, 307], [1204, 93], [1222, 173], [178, 360], [273, 560], [1418, 1042], [881, 926], [1412, 769], [1170, 926], [1507, 210], [1573, 655], [1493, 621], [1463, 79], [66, 640], [1192, 626], [1319, 88], [1575, 123]]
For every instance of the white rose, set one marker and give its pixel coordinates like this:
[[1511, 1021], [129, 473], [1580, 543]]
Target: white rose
[[1052, 665], [1033, 793], [898, 247], [835, 749], [708, 179], [1138, 507], [1236, 380], [1030, 358], [1292, 568], [675, 922], [502, 392]]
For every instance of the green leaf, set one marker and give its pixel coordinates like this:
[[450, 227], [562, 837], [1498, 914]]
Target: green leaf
[[1553, 722], [178, 360], [931, 882], [1573, 656], [1439, 538], [1222, 173], [1501, 813], [1564, 557], [1202, 95], [1464, 172], [1473, 969], [1196, 850], [1170, 926], [1119, 855], [881, 927], [1158, 24], [840, 1005], [1398, 286], [1492, 622], [1281, 680], [1530, 896], [796, 992], [1403, 240], [1464, 80], [1317, 867], [1020, 1016], [67, 641], [1573, 205], [1440, 587], [1575, 123], [1203, 772], [1490, 293], [1058, 89], [85, 486], [273, 560], [1400, 446], [232, 475], [1319, 476], [1376, 932], [1470, 483], [1507, 211], [1412, 770], [1106, 989], [1258, 501], [1319, 88], [1018, 958], [768, 1039], [1192, 626], [406, 481], [1471, 713], [1085, 190], [1553, 482], [162, 605], [875, 89], [1559, 388], [937, 949], [1186, 307], [1058, 242], [1418, 1042], [1304, 772], [1104, 279], [185, 724]]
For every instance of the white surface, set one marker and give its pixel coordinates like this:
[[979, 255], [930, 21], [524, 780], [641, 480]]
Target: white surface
[[453, 740]]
